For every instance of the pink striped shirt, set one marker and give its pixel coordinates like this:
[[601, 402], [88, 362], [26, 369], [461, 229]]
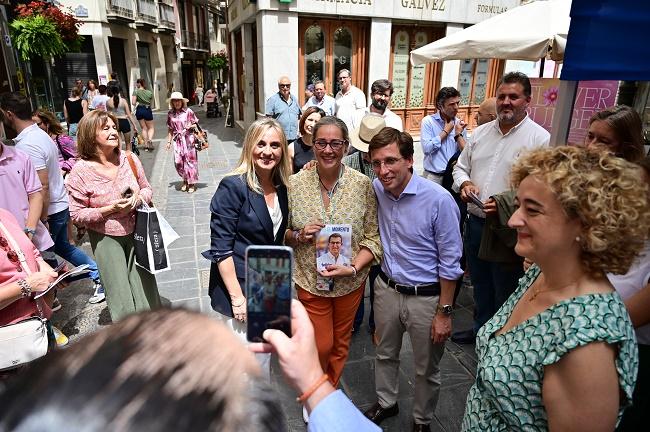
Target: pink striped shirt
[[89, 190]]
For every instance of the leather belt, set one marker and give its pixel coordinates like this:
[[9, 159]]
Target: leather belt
[[432, 289]]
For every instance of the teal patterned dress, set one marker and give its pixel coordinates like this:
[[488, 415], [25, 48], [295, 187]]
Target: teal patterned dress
[[507, 394]]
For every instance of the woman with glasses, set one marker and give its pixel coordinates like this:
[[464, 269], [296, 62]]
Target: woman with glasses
[[332, 194], [301, 150]]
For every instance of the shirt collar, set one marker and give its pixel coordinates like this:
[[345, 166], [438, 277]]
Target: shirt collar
[[6, 152], [410, 189], [514, 128]]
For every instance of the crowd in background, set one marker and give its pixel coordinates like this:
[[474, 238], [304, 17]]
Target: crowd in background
[[554, 240]]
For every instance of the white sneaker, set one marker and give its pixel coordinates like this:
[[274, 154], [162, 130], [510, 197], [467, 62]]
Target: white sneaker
[[305, 416], [99, 295]]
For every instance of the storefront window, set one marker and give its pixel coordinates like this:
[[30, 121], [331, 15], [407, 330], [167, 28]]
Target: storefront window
[[342, 52], [473, 81], [315, 54], [416, 91], [400, 69]]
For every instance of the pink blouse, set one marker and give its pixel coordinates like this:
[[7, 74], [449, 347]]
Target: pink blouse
[[89, 190], [23, 307]]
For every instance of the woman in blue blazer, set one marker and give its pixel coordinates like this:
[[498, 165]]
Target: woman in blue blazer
[[250, 207]]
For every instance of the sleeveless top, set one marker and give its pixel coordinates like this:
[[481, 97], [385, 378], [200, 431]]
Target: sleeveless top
[[302, 154], [507, 393], [75, 110], [119, 111], [143, 96]]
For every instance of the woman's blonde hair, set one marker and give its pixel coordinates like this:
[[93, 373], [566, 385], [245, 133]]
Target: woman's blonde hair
[[254, 134], [607, 194], [87, 132], [48, 117]]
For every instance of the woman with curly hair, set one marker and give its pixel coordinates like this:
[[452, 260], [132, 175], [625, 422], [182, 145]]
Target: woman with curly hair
[[561, 354]]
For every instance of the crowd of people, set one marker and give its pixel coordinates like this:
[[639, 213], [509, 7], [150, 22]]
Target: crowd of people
[[555, 242]]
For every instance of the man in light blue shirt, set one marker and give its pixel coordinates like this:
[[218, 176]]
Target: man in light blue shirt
[[321, 99], [442, 134], [283, 106], [419, 228]]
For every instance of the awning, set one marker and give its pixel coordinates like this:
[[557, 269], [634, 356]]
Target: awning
[[529, 32]]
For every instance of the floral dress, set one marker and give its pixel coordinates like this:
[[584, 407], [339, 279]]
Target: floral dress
[[185, 155], [507, 394]]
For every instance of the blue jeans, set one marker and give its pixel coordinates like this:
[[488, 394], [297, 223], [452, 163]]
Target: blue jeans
[[493, 282], [358, 319], [58, 223]]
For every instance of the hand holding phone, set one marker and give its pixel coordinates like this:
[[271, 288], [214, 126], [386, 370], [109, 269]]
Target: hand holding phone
[[268, 290], [475, 199]]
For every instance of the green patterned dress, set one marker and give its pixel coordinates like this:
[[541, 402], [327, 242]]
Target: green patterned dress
[[507, 394]]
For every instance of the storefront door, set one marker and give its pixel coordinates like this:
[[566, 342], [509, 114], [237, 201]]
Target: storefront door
[[329, 46], [477, 81]]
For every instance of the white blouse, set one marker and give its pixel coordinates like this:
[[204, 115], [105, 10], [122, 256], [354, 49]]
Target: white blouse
[[276, 215]]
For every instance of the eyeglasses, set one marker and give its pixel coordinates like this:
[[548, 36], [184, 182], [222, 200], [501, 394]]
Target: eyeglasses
[[383, 95], [343, 78], [334, 144], [39, 123], [11, 254], [284, 85], [389, 162]]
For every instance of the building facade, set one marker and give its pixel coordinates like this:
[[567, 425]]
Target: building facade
[[314, 39]]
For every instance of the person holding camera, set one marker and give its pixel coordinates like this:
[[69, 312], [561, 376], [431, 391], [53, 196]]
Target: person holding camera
[[105, 187]]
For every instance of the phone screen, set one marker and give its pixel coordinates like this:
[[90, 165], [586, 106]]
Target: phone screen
[[268, 290]]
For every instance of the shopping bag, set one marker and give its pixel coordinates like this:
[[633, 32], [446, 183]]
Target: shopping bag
[[152, 237]]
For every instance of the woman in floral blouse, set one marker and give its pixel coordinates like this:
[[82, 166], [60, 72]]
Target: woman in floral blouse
[[332, 194], [105, 187], [180, 123]]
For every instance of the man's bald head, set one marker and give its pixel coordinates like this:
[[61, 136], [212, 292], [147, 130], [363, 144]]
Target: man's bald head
[[487, 111]]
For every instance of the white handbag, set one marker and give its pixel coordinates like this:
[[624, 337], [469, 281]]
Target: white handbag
[[24, 341]]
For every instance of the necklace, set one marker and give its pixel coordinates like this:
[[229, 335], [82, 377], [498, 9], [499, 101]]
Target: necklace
[[537, 291], [330, 192]]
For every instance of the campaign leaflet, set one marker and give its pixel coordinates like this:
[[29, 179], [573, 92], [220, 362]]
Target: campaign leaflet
[[333, 246]]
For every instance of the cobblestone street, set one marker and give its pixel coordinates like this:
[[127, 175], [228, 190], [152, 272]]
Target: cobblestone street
[[186, 285]]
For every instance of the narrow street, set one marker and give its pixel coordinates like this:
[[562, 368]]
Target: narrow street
[[186, 285]]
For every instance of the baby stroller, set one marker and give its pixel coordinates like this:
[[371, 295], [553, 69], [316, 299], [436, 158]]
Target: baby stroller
[[212, 109]]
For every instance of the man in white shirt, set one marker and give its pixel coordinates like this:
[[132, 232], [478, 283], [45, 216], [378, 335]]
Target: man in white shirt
[[482, 171], [321, 99], [381, 92], [333, 255], [349, 99]]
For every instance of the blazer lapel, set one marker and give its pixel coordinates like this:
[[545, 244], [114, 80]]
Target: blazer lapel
[[262, 212], [284, 206]]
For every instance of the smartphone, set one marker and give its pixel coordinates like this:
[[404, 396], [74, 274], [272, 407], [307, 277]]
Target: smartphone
[[128, 193], [476, 200], [269, 290]]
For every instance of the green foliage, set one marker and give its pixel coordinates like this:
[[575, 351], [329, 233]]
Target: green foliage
[[36, 36], [217, 61]]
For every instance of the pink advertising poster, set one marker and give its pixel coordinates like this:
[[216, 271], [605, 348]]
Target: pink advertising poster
[[591, 97]]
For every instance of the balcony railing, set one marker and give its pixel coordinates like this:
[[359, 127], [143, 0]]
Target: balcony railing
[[195, 41], [147, 12], [121, 10], [166, 17]]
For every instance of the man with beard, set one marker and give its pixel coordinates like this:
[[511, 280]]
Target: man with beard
[[381, 92], [442, 134], [483, 171]]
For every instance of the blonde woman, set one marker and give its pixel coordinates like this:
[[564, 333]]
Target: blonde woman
[[250, 207]]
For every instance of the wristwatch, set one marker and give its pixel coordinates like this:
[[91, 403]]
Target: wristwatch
[[29, 231], [445, 309], [457, 136]]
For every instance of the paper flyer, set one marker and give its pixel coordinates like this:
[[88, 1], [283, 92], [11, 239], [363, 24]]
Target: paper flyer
[[333, 246]]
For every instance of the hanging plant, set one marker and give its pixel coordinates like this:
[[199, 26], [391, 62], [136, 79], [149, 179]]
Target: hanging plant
[[66, 24], [218, 61], [36, 36]]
